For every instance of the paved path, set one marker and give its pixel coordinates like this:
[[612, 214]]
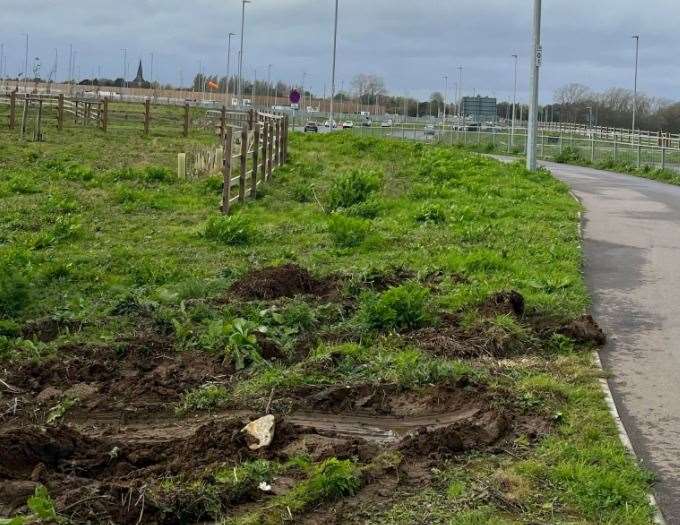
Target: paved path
[[632, 268]]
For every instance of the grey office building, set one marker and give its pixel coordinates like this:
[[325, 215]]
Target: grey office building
[[480, 109]]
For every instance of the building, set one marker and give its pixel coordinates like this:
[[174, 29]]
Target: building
[[139, 79], [480, 109]]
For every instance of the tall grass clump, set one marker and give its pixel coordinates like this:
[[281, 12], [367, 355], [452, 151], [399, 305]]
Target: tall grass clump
[[353, 188], [399, 308], [233, 230]]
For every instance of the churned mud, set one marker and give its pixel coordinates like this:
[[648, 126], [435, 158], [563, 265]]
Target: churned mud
[[97, 425]]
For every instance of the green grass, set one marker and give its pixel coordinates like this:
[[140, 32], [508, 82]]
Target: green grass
[[95, 228]]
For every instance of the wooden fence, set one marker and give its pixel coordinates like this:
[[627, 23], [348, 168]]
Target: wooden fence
[[248, 157], [38, 110]]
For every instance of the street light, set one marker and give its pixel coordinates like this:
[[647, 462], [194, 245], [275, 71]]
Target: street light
[[446, 89], [335, 46], [269, 85], [26, 66], [226, 87], [514, 105], [535, 71], [637, 54], [459, 96], [240, 60]]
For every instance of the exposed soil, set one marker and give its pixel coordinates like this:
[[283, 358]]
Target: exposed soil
[[504, 303], [274, 282], [95, 460]]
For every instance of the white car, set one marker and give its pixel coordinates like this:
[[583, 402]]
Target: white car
[[327, 124], [386, 124], [347, 124]]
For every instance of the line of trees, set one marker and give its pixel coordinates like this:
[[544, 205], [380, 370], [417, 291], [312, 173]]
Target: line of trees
[[613, 108]]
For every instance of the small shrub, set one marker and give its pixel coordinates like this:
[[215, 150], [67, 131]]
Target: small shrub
[[402, 307], [213, 184], [64, 229], [236, 340], [158, 174], [352, 188], [347, 232], [431, 213], [302, 192], [369, 209], [333, 479], [233, 230], [206, 397], [13, 289], [570, 154], [77, 172]]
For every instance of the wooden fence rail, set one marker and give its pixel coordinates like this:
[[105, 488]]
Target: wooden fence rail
[[249, 155], [106, 114]]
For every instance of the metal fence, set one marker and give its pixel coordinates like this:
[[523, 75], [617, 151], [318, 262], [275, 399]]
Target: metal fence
[[551, 145]]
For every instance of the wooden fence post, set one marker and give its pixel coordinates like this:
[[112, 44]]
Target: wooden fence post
[[256, 151], [285, 143], [186, 123], [244, 166], [270, 149], [75, 117], [223, 122], [37, 132], [147, 115], [251, 118], [105, 115], [12, 109], [226, 170], [265, 147], [279, 138], [182, 166], [24, 116], [60, 113]]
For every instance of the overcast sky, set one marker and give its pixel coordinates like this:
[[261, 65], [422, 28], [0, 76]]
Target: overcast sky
[[411, 44]]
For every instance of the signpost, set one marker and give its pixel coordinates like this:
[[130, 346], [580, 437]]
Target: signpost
[[294, 97]]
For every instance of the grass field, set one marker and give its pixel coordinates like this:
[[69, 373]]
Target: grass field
[[412, 315]]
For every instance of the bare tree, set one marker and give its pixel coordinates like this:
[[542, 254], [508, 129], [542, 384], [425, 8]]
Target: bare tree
[[368, 87]]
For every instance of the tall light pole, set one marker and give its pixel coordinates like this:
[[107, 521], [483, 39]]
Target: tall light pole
[[26, 64], [514, 105], [269, 84], [335, 46], [460, 92], [637, 54], [226, 87], [446, 90], [533, 107], [240, 59], [590, 118]]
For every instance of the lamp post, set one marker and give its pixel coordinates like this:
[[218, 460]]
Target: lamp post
[[446, 89], [269, 85], [335, 46], [26, 65], [535, 70], [637, 54], [226, 86], [590, 118], [240, 60], [459, 96], [514, 105]]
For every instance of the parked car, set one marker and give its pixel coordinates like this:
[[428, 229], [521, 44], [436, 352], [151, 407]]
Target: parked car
[[327, 124], [348, 124], [386, 123], [429, 130], [312, 127], [367, 123]]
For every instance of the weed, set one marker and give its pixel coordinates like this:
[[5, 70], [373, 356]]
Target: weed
[[399, 308], [352, 188], [14, 289], [570, 154], [302, 192], [236, 340], [59, 410], [431, 213], [233, 230], [206, 397], [347, 232]]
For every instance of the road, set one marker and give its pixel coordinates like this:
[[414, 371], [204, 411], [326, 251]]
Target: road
[[632, 268]]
